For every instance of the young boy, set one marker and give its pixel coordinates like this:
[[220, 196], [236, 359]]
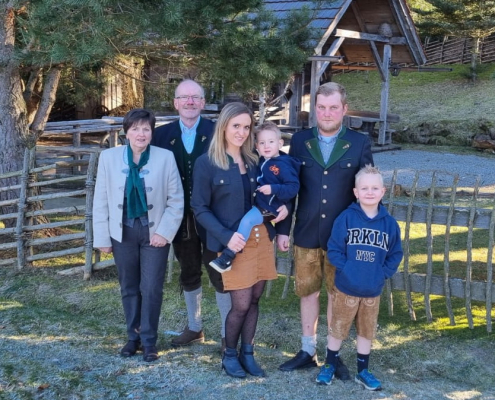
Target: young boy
[[279, 183], [365, 248]]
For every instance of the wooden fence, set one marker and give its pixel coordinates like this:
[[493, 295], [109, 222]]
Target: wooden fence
[[413, 210], [451, 50]]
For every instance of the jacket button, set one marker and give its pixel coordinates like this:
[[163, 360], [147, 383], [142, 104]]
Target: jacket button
[[325, 173], [256, 229], [323, 216], [252, 180], [221, 181], [150, 206], [120, 207], [324, 201], [324, 186], [348, 165], [150, 224]]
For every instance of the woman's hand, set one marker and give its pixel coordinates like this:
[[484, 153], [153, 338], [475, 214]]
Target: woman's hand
[[282, 214], [236, 242], [283, 242], [105, 249], [158, 240]]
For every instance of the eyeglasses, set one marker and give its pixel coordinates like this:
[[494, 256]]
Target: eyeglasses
[[184, 99]]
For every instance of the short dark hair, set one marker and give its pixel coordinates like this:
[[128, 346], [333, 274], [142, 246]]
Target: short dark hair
[[329, 88], [139, 115]]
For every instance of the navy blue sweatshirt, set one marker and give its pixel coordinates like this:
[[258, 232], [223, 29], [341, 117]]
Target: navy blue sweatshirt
[[365, 251]]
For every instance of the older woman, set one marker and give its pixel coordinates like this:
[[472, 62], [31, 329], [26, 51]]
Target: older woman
[[223, 191], [137, 211]]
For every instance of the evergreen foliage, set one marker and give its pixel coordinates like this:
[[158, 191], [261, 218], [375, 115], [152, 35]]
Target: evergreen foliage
[[238, 43], [459, 18]]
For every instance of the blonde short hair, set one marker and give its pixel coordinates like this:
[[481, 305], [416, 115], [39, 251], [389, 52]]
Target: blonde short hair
[[368, 169], [268, 126], [330, 88]]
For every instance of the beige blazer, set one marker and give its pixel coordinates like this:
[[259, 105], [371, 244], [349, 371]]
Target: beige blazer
[[164, 195]]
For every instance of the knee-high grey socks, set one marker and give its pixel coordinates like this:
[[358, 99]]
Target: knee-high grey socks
[[193, 306], [224, 304]]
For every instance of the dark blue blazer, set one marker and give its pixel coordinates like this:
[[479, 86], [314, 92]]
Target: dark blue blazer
[[218, 200], [325, 190]]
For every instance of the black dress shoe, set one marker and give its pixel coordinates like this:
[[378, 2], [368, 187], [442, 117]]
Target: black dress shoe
[[150, 353], [301, 360], [130, 348], [341, 372]]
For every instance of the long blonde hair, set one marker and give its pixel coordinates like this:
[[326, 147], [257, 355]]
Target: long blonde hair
[[218, 147]]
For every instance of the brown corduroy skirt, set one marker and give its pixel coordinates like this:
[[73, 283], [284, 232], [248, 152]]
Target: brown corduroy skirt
[[255, 263]]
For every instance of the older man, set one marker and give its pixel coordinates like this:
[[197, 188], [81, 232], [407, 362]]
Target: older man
[[188, 138], [330, 155]]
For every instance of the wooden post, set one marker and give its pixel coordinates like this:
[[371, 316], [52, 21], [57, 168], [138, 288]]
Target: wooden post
[[446, 254], [469, 258], [313, 88], [88, 223], [407, 284], [429, 248], [21, 212], [387, 55], [489, 269]]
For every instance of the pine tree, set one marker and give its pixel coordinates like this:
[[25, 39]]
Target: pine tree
[[237, 42], [459, 18]]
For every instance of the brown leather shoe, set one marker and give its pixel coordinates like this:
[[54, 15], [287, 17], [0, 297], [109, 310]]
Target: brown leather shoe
[[188, 337]]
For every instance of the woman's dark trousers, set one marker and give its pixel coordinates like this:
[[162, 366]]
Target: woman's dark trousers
[[141, 269]]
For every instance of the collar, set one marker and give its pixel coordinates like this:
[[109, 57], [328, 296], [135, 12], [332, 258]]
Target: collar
[[186, 130]]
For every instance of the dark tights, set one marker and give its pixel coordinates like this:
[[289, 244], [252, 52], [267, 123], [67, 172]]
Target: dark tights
[[243, 316]]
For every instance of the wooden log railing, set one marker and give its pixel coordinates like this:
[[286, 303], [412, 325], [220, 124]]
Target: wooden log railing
[[20, 249]]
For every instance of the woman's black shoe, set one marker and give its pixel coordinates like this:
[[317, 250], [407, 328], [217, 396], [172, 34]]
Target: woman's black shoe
[[130, 348], [231, 365], [150, 353], [246, 358]]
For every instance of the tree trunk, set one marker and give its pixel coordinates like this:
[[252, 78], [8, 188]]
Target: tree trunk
[[14, 133], [32, 93], [47, 101]]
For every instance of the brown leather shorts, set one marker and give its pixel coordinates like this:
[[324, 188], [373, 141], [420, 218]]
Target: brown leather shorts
[[311, 268]]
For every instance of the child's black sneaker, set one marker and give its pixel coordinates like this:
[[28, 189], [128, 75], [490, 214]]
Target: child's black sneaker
[[224, 262]]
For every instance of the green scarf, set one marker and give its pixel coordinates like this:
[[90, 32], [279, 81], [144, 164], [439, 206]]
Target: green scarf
[[136, 198]]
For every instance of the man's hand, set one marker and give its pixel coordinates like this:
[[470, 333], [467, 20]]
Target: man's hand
[[283, 242]]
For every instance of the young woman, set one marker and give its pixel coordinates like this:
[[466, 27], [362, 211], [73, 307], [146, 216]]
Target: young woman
[[223, 191]]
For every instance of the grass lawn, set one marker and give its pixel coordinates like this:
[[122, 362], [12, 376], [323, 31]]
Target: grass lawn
[[60, 338]]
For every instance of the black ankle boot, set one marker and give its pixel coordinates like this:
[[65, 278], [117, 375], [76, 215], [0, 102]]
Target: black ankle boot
[[231, 365], [246, 358]]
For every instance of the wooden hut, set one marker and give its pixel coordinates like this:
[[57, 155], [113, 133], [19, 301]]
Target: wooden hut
[[353, 33]]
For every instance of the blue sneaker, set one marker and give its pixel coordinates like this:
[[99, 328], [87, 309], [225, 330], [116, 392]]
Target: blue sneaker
[[368, 380], [326, 374]]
